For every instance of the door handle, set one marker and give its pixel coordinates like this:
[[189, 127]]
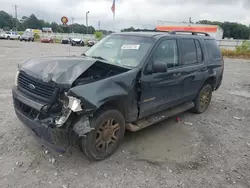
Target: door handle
[[177, 74]]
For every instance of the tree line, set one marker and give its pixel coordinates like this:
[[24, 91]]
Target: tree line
[[7, 22], [231, 29]]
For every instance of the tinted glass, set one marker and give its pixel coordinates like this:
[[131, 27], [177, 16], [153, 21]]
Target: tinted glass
[[189, 51], [167, 52], [199, 52], [213, 50], [121, 49]]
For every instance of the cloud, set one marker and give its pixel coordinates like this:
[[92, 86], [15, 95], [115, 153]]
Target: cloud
[[137, 13]]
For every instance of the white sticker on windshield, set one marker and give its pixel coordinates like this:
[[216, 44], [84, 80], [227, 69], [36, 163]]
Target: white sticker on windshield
[[130, 47]]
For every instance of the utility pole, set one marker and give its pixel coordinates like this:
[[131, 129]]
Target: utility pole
[[87, 21], [190, 20], [16, 15], [72, 25], [99, 25]]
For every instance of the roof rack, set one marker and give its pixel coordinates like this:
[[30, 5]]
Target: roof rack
[[193, 32]]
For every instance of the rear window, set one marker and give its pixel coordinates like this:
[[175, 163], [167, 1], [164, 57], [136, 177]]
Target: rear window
[[213, 50]]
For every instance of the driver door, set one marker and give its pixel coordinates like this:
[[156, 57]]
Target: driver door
[[160, 91]]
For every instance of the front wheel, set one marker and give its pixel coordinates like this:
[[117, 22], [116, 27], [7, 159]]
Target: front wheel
[[203, 99], [108, 133]]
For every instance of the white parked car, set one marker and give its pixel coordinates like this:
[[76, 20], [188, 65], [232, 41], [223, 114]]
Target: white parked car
[[11, 35], [2, 34], [77, 42]]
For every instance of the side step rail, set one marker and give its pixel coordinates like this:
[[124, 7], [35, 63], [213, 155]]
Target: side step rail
[[158, 117]]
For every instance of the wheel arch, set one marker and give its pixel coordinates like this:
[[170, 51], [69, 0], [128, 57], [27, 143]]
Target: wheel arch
[[211, 81], [116, 104]]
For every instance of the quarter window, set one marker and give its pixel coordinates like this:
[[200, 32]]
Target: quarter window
[[213, 50]]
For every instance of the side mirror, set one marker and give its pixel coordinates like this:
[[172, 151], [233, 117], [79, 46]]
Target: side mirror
[[159, 67]]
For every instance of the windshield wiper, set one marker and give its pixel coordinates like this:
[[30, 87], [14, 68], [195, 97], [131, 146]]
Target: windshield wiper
[[98, 57]]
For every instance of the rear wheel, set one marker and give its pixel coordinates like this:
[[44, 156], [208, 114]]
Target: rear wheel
[[203, 99], [103, 141], [8, 38]]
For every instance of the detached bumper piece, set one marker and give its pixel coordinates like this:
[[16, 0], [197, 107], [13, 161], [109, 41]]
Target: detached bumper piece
[[40, 124]]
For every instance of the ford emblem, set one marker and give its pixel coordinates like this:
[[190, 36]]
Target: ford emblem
[[31, 86]]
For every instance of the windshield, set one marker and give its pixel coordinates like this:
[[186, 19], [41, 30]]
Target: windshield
[[121, 50]]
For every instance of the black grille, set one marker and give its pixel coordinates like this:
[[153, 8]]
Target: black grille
[[35, 87], [26, 110]]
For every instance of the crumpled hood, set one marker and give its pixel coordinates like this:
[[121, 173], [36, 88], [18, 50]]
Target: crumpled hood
[[61, 70]]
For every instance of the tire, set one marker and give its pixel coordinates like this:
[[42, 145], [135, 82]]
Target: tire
[[29, 40], [203, 99], [8, 38], [103, 134], [32, 40]]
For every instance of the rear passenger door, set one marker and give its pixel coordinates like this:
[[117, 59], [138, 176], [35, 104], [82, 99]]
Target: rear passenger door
[[193, 67]]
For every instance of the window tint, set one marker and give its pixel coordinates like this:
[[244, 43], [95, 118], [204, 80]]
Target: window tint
[[213, 50], [199, 52], [167, 52], [189, 51]]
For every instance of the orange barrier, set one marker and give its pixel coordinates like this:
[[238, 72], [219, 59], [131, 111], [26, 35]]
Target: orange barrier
[[207, 29]]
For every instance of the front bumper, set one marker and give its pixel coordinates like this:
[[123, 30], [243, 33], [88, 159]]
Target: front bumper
[[28, 112]]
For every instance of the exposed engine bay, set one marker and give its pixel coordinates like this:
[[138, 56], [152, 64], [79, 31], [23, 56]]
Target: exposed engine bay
[[97, 72]]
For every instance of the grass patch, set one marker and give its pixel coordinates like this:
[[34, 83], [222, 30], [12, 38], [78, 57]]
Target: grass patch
[[240, 52], [235, 54], [57, 40]]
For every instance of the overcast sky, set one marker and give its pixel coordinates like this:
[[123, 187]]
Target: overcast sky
[[137, 13]]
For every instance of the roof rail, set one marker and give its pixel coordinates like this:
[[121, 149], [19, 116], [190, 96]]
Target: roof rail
[[193, 32]]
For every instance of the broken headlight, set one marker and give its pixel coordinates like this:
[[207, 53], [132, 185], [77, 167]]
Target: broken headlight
[[74, 104]]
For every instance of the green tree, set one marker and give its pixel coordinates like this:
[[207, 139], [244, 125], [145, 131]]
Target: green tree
[[6, 20], [32, 22], [98, 34]]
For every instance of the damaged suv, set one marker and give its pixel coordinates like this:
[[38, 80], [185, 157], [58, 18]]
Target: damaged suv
[[126, 81]]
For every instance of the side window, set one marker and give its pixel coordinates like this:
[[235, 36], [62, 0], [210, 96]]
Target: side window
[[167, 52], [213, 49], [199, 52], [189, 51]]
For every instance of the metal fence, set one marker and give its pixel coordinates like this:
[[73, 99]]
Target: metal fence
[[230, 43], [67, 35], [223, 43]]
